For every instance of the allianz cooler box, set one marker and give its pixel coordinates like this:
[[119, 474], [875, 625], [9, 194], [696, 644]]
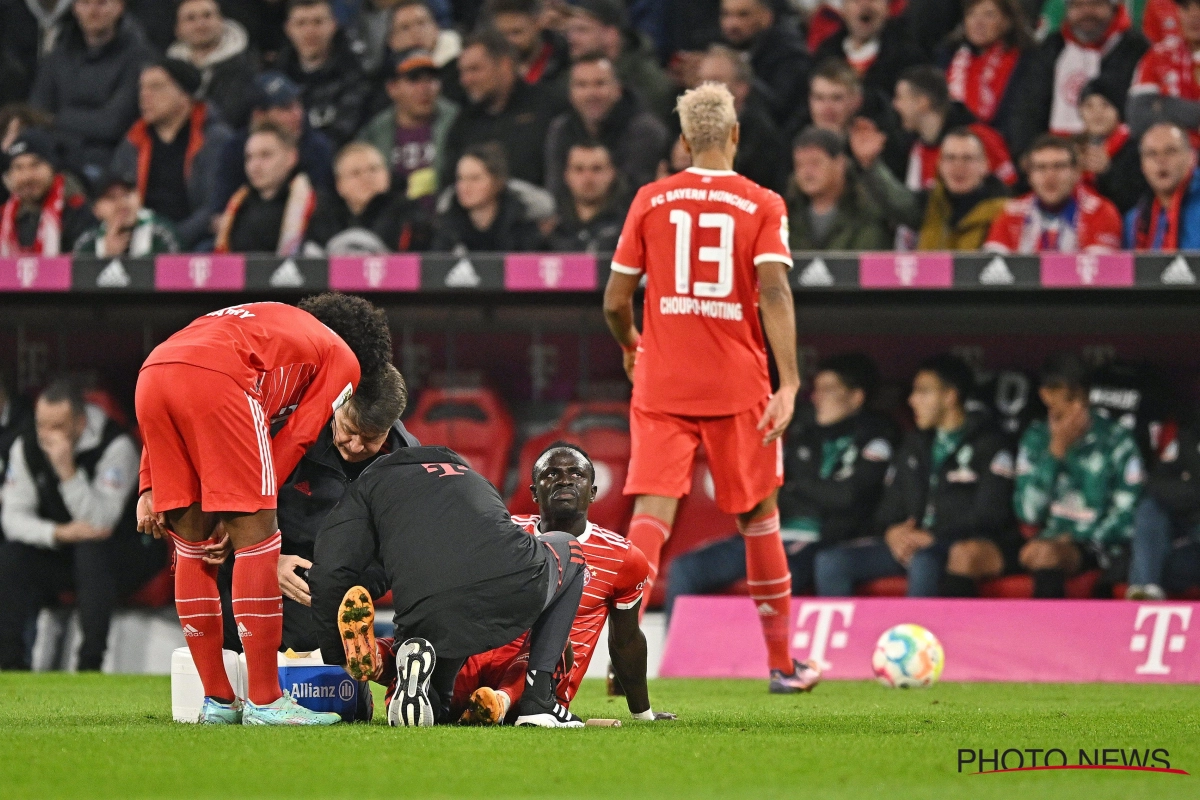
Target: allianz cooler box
[[314, 684]]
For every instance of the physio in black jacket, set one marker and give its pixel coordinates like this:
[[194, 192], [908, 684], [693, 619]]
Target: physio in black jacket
[[946, 511], [464, 577]]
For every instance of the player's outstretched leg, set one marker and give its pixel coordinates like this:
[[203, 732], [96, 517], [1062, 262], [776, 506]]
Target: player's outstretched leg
[[356, 622], [410, 705]]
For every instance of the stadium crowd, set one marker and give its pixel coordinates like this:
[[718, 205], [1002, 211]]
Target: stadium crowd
[[370, 126]]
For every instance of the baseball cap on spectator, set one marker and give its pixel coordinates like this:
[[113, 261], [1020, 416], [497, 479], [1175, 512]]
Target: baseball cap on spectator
[[607, 12], [37, 142], [275, 90], [822, 139], [185, 76], [111, 178], [1106, 88], [410, 63]]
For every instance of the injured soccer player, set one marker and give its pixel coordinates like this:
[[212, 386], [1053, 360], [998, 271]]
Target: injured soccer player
[[464, 577], [490, 685]]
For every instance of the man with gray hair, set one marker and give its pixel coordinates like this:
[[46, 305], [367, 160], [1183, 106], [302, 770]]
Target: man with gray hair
[[69, 519]]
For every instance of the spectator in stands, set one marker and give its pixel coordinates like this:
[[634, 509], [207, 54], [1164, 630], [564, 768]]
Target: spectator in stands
[[833, 205], [172, 152], [28, 32], [987, 59], [412, 134], [966, 198], [601, 26], [414, 25], [15, 416], [762, 150], [47, 210], [1165, 85], [775, 53], [604, 111], [501, 108], [1110, 157], [946, 506], [277, 101], [542, 53], [1168, 217], [319, 59], [923, 102], [271, 213], [126, 228], [89, 83], [1079, 478], [220, 49], [1166, 526], [1095, 40], [877, 47], [835, 96], [70, 523], [593, 202], [1060, 215], [484, 214], [836, 455], [367, 213]]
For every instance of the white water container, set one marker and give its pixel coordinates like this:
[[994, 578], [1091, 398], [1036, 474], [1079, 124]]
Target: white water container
[[187, 691]]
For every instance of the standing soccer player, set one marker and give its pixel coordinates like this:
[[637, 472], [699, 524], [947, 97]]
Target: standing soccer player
[[207, 399], [713, 246]]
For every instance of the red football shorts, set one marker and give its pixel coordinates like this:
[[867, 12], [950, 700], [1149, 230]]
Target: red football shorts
[[744, 472], [206, 438]]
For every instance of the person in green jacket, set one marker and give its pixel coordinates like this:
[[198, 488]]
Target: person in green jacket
[[834, 204], [411, 134], [1079, 478], [126, 228]]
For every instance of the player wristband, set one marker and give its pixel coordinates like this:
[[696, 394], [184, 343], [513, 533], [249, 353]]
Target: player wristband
[[632, 348], [647, 715]]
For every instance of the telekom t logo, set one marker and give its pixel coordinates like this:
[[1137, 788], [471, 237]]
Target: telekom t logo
[[1160, 640], [822, 636]]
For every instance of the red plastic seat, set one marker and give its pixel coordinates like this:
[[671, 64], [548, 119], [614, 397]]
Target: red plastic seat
[[1080, 587], [157, 592], [472, 422], [602, 429], [893, 586]]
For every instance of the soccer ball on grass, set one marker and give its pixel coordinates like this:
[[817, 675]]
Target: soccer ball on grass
[[908, 656]]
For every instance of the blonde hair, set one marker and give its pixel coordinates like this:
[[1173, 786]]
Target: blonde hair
[[707, 115]]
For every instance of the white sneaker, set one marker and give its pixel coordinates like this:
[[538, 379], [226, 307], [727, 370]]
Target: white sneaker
[[1149, 591], [410, 706]]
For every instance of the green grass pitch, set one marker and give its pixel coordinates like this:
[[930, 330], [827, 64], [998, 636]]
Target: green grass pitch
[[81, 736]]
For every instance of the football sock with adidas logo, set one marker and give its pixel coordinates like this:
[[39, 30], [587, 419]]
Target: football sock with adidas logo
[[258, 609], [198, 602], [770, 586]]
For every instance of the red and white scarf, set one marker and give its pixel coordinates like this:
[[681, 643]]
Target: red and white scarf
[[978, 80], [301, 202], [48, 241], [1078, 63]]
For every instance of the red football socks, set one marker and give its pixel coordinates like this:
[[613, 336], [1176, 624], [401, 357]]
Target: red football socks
[[649, 534], [258, 609], [770, 586], [199, 606]]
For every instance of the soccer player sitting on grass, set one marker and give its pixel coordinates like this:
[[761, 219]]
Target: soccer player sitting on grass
[[491, 683], [464, 577]]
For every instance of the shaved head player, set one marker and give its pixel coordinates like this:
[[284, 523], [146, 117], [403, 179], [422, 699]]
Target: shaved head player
[[713, 246]]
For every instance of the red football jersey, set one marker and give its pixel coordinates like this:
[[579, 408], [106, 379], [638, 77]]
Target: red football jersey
[[613, 578], [698, 236], [298, 369]]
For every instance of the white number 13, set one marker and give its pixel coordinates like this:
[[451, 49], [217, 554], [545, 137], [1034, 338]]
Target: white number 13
[[721, 255]]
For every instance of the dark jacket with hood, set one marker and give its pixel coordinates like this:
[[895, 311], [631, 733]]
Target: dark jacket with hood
[[969, 497], [897, 52], [780, 60], [400, 223], [597, 235], [510, 231], [335, 94]]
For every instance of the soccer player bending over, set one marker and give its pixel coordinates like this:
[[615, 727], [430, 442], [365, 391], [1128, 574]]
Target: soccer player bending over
[[491, 683], [713, 246], [207, 399], [464, 577]]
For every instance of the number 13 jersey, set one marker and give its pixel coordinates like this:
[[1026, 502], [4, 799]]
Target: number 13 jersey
[[699, 236]]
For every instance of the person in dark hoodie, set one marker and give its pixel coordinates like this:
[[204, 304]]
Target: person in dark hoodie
[[542, 57], [776, 54], [366, 203], [946, 509], [835, 459], [592, 206], [603, 110], [1109, 157], [220, 49], [484, 215], [318, 57], [879, 48], [90, 82], [966, 198]]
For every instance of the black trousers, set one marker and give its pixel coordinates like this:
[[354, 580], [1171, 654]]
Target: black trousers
[[99, 573]]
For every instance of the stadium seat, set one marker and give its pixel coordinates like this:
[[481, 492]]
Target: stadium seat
[[472, 422], [602, 429], [1080, 587], [157, 592], [894, 586], [697, 523]]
